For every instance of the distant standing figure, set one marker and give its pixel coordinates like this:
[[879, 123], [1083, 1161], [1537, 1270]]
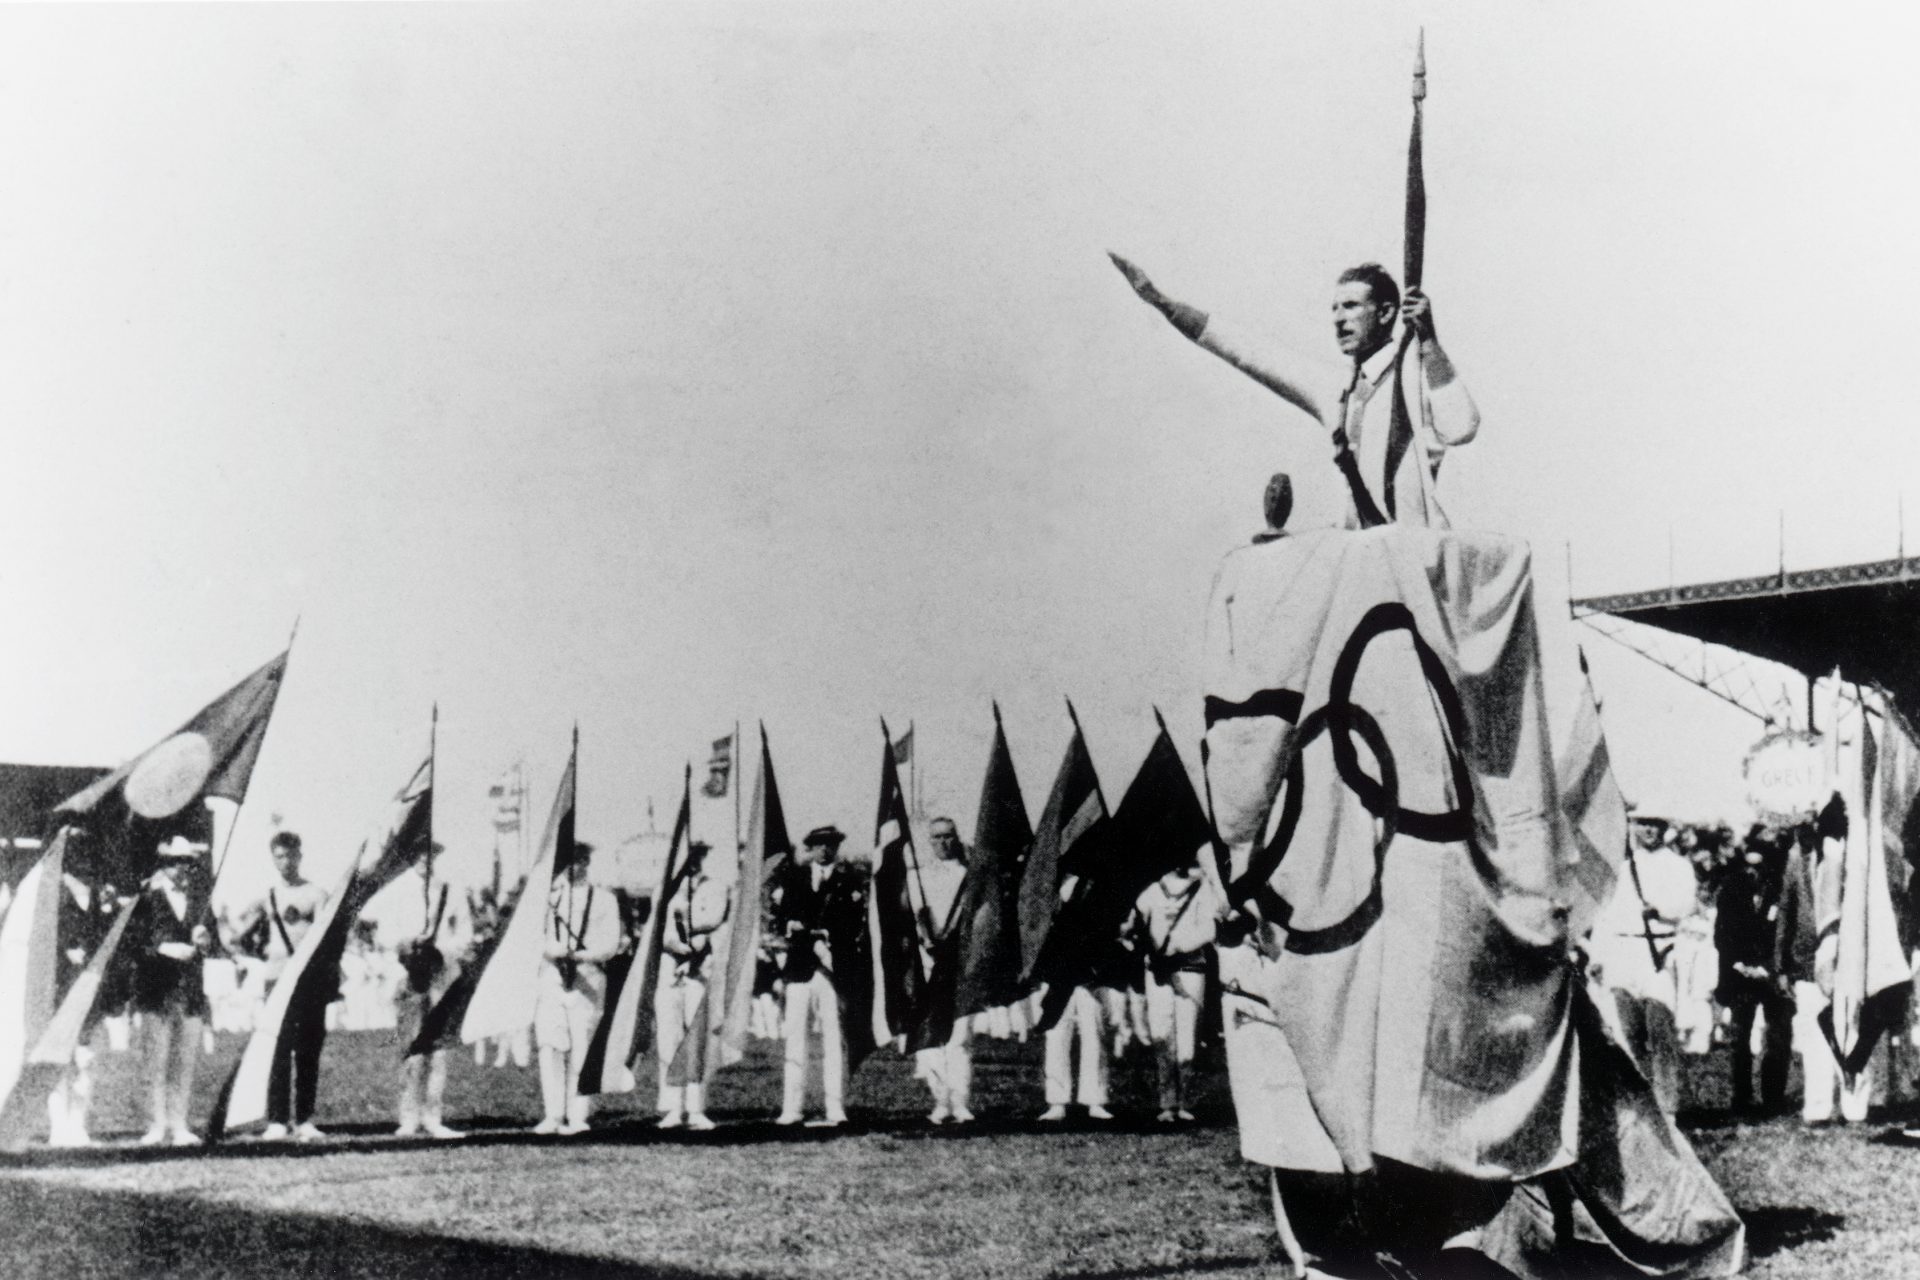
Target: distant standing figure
[[1746, 919], [583, 933], [287, 912], [432, 942], [947, 1068], [699, 908], [1173, 920], [1631, 953], [168, 992], [1807, 955], [818, 906]]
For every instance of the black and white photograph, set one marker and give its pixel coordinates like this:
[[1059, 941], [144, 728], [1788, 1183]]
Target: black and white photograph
[[989, 641]]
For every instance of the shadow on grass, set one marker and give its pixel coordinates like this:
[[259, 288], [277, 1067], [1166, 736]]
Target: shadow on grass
[[498, 1131], [111, 1235], [1193, 1268], [1775, 1228]]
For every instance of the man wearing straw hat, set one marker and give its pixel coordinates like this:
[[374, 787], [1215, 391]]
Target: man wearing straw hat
[[168, 990]]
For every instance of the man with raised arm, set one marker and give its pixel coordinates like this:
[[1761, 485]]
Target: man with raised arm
[[1389, 477]]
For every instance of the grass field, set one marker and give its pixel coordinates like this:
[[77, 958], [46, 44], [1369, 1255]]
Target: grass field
[[888, 1197]]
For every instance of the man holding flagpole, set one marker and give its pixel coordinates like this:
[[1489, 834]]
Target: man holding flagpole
[[583, 933], [819, 907], [947, 1068], [429, 952], [287, 911], [168, 991], [699, 908], [1354, 401]]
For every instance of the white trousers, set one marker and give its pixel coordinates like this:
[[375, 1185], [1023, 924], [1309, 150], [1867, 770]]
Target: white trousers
[[563, 1024], [1084, 1017], [71, 1101], [948, 1068], [423, 1089], [814, 1000], [675, 1005], [171, 1047], [1818, 1067], [1173, 1020]]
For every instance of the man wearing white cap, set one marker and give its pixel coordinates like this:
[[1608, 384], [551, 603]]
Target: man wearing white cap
[[168, 992]]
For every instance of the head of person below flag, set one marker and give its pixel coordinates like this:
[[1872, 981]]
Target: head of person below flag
[[827, 837]]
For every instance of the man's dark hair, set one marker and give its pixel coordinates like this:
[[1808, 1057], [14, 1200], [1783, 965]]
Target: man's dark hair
[[1278, 503], [285, 840], [1379, 284]]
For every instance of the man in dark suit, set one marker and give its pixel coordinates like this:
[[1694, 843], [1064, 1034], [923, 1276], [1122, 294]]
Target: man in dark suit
[[818, 905]]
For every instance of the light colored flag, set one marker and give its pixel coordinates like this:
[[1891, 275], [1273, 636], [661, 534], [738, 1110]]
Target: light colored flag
[[719, 768], [1596, 810], [29, 962], [736, 953], [509, 800], [501, 998]]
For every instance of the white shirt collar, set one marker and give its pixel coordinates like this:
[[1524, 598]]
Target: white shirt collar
[[1375, 366]]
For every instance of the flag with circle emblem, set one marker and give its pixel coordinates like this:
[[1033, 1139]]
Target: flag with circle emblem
[[213, 754]]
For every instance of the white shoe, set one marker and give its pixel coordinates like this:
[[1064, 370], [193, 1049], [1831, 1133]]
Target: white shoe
[[1098, 1112], [275, 1132], [788, 1118], [699, 1120], [549, 1125], [572, 1127], [1054, 1114], [153, 1137], [185, 1138], [672, 1120], [1165, 1117], [962, 1116], [827, 1122], [441, 1131], [309, 1132], [407, 1131], [939, 1115], [1185, 1116]]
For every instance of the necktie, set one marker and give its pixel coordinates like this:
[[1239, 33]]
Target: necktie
[[1363, 504]]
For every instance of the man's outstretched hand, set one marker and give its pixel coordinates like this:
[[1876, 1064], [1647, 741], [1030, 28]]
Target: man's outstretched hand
[[1138, 279], [1186, 319]]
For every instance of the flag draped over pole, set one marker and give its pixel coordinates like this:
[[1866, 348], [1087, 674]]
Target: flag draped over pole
[[892, 936], [627, 1030], [1073, 829], [297, 1004], [494, 995], [976, 963], [736, 953]]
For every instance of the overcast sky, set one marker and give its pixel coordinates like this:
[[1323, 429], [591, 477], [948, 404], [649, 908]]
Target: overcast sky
[[653, 366]]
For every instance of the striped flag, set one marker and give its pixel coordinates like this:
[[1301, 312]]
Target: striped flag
[[899, 981], [298, 1001], [736, 952], [626, 1030], [1073, 828], [494, 995]]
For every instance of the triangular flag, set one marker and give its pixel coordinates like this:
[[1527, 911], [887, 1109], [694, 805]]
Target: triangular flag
[[1073, 827], [893, 939], [736, 949]]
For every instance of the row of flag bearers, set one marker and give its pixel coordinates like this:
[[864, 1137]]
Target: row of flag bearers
[[907, 948]]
